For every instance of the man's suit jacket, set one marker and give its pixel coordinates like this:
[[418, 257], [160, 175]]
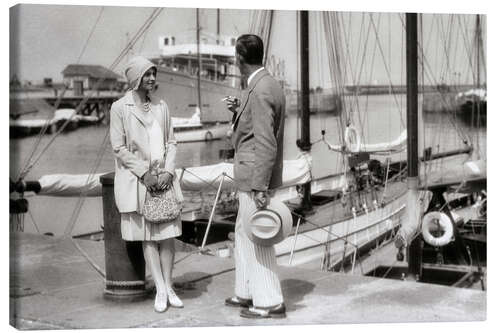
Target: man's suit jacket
[[130, 143], [258, 135]]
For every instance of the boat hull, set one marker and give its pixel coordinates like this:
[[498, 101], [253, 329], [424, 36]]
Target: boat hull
[[180, 91], [331, 243]]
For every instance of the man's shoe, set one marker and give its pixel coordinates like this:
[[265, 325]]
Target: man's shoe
[[278, 311], [235, 301]]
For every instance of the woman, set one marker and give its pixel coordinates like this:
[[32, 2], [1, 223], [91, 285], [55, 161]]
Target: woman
[[143, 142]]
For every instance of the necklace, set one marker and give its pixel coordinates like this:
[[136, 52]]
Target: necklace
[[146, 106]]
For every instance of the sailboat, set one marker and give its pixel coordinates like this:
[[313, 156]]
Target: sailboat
[[472, 103], [338, 217], [445, 241]]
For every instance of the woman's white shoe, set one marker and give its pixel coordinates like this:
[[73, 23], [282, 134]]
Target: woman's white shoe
[[173, 299], [161, 302]]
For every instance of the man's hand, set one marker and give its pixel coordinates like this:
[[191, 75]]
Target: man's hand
[[261, 199], [150, 181], [232, 103], [165, 180]]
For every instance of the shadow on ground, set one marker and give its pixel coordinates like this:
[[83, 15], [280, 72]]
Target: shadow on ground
[[294, 291], [192, 284]]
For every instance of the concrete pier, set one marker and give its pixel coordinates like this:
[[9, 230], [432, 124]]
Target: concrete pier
[[52, 286]]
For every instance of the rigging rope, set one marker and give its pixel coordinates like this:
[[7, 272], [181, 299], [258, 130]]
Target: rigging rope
[[34, 222], [58, 101], [334, 65], [448, 107], [76, 212], [329, 233], [385, 65], [72, 222], [90, 36], [83, 194], [142, 29], [156, 12]]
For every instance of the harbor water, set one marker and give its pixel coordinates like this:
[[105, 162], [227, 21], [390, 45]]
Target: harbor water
[[381, 119]]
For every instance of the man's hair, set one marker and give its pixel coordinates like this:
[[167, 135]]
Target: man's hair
[[251, 48]]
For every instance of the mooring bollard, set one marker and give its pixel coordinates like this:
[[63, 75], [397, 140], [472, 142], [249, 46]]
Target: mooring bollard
[[125, 266]]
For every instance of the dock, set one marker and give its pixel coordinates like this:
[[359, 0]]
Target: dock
[[99, 103], [53, 286], [92, 102]]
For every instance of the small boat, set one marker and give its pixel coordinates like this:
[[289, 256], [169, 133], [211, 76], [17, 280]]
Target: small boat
[[29, 116], [27, 127], [192, 129], [472, 104], [61, 116]]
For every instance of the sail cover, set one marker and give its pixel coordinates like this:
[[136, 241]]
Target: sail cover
[[65, 185], [395, 146], [201, 178]]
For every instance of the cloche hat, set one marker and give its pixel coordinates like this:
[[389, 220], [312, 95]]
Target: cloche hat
[[135, 70]]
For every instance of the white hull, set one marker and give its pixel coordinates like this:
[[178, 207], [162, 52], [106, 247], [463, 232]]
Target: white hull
[[311, 247], [201, 133], [24, 127]]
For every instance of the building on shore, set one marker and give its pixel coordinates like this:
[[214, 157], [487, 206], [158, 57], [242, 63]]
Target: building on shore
[[90, 77]]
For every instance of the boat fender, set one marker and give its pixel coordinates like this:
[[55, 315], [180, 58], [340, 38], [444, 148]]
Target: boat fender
[[429, 223], [351, 134]]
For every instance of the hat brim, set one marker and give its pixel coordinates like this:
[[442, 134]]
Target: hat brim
[[280, 209], [139, 80]]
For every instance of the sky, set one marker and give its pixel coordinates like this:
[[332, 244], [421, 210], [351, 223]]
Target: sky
[[46, 38]]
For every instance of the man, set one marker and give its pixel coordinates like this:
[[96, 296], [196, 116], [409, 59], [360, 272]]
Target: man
[[258, 124]]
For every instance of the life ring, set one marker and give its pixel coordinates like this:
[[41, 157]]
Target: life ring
[[349, 134], [431, 222], [209, 136]]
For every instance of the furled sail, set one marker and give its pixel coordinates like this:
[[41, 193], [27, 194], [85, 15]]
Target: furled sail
[[354, 144], [65, 185], [295, 172]]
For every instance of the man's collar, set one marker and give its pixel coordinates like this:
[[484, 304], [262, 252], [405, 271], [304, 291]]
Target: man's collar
[[253, 75]]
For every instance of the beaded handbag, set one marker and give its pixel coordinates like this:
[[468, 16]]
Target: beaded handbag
[[161, 206]]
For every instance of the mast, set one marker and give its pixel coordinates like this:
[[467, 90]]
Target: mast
[[478, 48], [477, 100], [218, 25], [414, 251], [304, 143], [268, 39], [198, 28]]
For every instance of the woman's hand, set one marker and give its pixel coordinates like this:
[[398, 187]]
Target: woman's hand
[[150, 181], [165, 180]]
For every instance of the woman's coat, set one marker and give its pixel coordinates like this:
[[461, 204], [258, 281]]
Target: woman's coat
[[130, 143]]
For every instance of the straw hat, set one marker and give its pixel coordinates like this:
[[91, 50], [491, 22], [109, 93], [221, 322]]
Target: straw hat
[[271, 225]]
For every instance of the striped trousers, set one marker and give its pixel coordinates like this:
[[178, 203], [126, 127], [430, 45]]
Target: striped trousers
[[256, 268]]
